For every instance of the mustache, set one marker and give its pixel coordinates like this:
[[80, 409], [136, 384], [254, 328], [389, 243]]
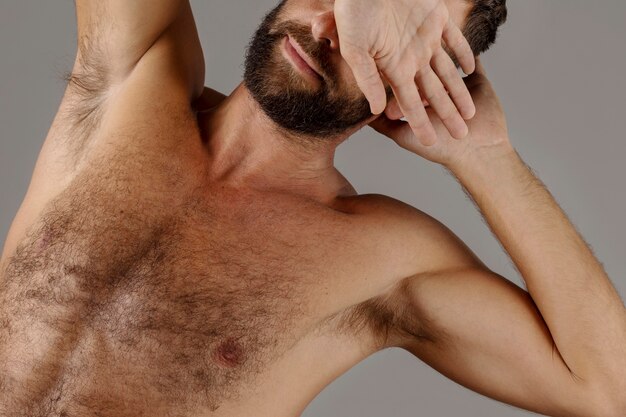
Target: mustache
[[319, 52]]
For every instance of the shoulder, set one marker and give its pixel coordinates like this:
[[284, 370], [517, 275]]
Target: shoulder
[[419, 241], [421, 246]]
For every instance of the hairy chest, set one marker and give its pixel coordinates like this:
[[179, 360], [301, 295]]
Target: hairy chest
[[187, 297]]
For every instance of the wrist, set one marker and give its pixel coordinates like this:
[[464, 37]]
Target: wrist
[[483, 158], [494, 177]]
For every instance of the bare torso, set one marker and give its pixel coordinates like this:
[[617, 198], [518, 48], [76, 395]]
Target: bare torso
[[134, 281], [144, 275], [136, 286]]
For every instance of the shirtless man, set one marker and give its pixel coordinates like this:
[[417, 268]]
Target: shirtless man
[[184, 254]]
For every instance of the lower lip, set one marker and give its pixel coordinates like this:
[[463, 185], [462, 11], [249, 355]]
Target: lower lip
[[297, 60]]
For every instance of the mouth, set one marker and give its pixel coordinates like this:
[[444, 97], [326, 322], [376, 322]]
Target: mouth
[[300, 59]]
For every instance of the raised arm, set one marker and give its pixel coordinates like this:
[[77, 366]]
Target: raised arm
[[487, 334], [133, 58], [139, 65], [113, 36], [558, 349]]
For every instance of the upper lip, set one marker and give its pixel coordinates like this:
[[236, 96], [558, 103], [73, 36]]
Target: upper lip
[[304, 56]]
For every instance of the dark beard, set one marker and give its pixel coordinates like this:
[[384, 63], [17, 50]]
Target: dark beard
[[319, 114]]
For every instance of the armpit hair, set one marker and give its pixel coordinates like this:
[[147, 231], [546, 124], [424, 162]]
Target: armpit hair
[[87, 85], [386, 318]]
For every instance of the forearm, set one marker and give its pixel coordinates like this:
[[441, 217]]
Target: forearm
[[582, 309]]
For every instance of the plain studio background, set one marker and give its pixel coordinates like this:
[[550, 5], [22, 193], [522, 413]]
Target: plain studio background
[[558, 67]]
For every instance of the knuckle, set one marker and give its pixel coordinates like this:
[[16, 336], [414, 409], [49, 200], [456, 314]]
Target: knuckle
[[462, 46], [414, 116], [408, 107], [370, 77], [441, 57], [443, 17], [423, 57], [451, 75], [435, 45], [461, 96], [455, 40], [404, 78], [420, 124], [456, 46], [440, 14], [436, 96], [407, 72], [447, 113], [423, 73]]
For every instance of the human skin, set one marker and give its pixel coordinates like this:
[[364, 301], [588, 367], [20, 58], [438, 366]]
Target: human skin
[[557, 265], [172, 206], [382, 51]]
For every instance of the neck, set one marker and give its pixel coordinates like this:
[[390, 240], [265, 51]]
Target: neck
[[247, 148]]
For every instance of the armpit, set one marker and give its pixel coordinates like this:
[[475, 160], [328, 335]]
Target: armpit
[[87, 84]]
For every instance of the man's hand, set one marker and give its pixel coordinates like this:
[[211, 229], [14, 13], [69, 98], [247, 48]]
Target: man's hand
[[401, 40], [487, 130]]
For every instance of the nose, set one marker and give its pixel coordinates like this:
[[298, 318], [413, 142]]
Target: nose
[[325, 29]]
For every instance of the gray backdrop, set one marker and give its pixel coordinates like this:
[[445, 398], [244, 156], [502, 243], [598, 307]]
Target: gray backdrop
[[558, 68]]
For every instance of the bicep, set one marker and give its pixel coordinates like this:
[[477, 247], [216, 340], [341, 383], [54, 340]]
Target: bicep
[[486, 333]]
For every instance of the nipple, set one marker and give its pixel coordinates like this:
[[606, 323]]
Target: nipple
[[229, 353]]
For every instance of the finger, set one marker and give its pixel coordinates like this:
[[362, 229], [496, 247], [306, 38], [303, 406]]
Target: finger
[[430, 33], [438, 125], [393, 111], [451, 79], [411, 106], [480, 68], [478, 78], [440, 101], [367, 78], [454, 39], [387, 126], [398, 131]]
